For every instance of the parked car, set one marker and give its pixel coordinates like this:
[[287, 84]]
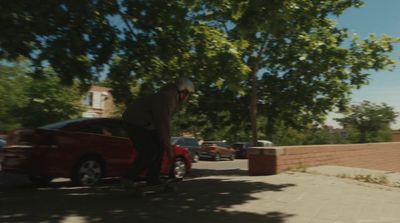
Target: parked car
[[2, 144], [241, 149], [189, 143], [84, 150], [264, 143], [216, 150]]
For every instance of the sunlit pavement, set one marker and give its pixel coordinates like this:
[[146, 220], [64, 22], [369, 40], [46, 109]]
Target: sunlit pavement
[[216, 192]]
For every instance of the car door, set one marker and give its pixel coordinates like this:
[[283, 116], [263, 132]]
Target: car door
[[108, 139], [73, 145], [120, 151], [225, 151]]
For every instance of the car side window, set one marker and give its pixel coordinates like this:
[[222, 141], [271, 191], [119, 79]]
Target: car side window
[[2, 143], [107, 129], [218, 144], [94, 129], [186, 142], [192, 142], [180, 142], [115, 129]]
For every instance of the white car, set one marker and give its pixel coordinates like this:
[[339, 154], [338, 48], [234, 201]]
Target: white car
[[264, 143]]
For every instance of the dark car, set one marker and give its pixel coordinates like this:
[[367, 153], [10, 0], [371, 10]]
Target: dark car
[[84, 150], [190, 143], [241, 149], [216, 150], [2, 144]]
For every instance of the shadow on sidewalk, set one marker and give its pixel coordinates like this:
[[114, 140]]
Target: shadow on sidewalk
[[211, 172], [197, 200]]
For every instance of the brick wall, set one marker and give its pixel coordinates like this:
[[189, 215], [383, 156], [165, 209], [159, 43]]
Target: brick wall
[[396, 137], [380, 156]]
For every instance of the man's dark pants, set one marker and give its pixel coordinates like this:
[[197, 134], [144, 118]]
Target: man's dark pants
[[149, 153]]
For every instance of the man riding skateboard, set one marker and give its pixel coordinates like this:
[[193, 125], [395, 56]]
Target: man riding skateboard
[[147, 122]]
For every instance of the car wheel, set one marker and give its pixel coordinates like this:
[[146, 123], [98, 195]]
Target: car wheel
[[196, 158], [88, 172], [40, 180], [217, 157], [178, 170], [232, 156]]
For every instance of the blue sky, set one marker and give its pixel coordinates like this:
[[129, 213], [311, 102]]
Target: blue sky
[[379, 17]]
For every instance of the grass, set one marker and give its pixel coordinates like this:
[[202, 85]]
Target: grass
[[367, 178], [382, 179], [300, 167]]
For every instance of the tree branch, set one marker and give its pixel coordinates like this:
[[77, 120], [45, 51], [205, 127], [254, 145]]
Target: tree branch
[[126, 21]]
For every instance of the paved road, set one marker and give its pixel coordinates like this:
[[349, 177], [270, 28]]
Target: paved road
[[224, 167], [217, 192]]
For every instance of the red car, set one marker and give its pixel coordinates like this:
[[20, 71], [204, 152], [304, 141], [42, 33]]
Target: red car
[[84, 150]]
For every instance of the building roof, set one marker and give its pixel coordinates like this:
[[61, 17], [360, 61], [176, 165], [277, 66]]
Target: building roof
[[99, 88]]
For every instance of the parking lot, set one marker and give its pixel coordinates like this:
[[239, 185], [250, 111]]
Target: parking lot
[[238, 166], [108, 202], [215, 192]]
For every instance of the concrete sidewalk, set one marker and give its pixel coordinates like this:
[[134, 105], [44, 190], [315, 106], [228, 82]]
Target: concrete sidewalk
[[309, 198], [220, 196], [382, 177]]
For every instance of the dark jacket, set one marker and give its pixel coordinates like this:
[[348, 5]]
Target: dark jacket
[[154, 112]]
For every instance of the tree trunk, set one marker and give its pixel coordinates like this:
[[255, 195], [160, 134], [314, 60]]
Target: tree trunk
[[253, 106], [253, 101], [363, 136], [269, 128]]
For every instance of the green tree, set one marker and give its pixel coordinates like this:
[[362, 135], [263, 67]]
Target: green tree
[[13, 83], [49, 101], [281, 60], [31, 103], [302, 65], [316, 136], [287, 136], [372, 121], [74, 37]]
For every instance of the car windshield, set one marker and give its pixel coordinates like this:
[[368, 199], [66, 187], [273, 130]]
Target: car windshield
[[218, 143], [2, 143], [239, 145], [174, 140], [60, 125], [222, 144]]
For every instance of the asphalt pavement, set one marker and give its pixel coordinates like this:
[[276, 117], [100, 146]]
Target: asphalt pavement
[[215, 192]]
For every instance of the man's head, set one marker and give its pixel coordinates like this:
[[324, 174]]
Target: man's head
[[185, 88]]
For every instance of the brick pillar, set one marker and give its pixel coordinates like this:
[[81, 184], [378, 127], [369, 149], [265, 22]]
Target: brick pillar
[[263, 160]]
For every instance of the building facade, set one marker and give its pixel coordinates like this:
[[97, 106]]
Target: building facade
[[99, 102]]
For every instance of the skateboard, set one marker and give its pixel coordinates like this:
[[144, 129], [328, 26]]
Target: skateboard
[[141, 188]]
